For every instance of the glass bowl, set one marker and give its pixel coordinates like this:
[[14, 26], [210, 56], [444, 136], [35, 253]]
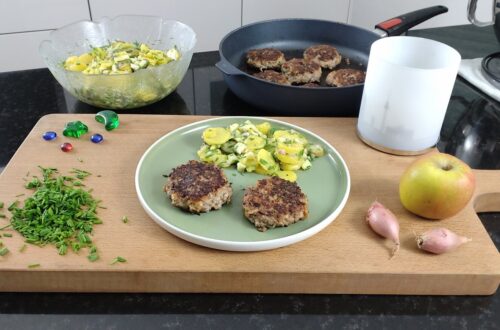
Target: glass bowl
[[124, 91]]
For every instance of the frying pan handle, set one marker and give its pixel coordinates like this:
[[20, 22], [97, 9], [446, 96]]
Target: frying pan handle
[[400, 24], [228, 68]]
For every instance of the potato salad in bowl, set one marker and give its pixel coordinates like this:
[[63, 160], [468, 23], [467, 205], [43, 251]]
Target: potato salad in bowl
[[120, 63]]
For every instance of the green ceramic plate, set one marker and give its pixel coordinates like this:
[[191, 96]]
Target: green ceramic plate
[[326, 185]]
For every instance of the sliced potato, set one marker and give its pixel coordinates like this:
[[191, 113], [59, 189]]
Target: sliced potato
[[290, 147], [264, 127], [85, 58], [287, 175], [280, 133], [292, 167], [255, 142], [76, 67], [287, 158], [216, 135], [266, 160], [260, 170]]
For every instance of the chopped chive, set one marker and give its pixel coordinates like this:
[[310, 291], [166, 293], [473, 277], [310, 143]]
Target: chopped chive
[[7, 235], [125, 219], [4, 251], [57, 213], [63, 249], [1, 205], [13, 205], [118, 259], [33, 265], [23, 248], [19, 195], [165, 175], [2, 215], [4, 227], [93, 257]]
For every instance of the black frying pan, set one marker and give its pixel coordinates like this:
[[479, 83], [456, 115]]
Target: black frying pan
[[293, 36]]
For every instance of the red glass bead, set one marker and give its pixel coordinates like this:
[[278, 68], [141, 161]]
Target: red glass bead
[[66, 147]]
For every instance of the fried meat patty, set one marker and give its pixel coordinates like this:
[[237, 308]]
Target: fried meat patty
[[345, 77], [272, 76], [274, 202], [198, 187], [325, 55], [265, 58], [301, 71]]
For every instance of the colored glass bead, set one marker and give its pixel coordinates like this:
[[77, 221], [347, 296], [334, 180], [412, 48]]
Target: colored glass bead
[[49, 135], [66, 147], [75, 129], [108, 118], [96, 138]]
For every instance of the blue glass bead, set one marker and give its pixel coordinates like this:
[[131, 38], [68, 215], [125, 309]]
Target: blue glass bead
[[96, 138], [108, 118], [49, 135]]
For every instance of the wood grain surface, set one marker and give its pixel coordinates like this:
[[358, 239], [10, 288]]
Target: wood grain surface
[[346, 257]]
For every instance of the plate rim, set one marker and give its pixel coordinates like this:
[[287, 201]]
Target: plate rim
[[238, 245]]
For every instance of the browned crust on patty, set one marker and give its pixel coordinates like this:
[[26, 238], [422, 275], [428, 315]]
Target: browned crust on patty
[[265, 58], [300, 71], [325, 55], [198, 187], [345, 77], [274, 202], [272, 76]]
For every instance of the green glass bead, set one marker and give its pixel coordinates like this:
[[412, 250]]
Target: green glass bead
[[108, 118], [75, 129]]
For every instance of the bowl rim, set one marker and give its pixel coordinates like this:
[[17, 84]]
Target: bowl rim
[[106, 19]]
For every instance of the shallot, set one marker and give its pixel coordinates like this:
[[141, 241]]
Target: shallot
[[384, 223], [440, 240]]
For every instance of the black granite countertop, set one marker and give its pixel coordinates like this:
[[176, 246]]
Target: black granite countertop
[[471, 132]]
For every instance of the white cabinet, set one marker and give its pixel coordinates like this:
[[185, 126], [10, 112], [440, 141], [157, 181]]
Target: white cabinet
[[32, 15], [368, 13], [211, 20], [26, 54], [258, 10]]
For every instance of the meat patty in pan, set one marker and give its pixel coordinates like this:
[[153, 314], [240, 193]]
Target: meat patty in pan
[[300, 71], [326, 56], [265, 58], [345, 77], [272, 76]]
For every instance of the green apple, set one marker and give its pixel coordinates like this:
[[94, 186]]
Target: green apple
[[436, 186]]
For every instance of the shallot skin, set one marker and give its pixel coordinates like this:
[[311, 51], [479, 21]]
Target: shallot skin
[[384, 223], [440, 240]]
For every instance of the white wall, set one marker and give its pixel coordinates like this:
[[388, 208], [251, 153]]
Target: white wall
[[25, 23]]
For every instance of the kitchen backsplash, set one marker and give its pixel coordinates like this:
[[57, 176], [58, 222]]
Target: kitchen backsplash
[[25, 23]]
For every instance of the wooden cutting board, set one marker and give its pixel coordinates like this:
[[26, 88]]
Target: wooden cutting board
[[346, 257]]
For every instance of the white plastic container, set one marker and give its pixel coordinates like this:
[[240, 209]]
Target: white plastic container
[[407, 89]]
